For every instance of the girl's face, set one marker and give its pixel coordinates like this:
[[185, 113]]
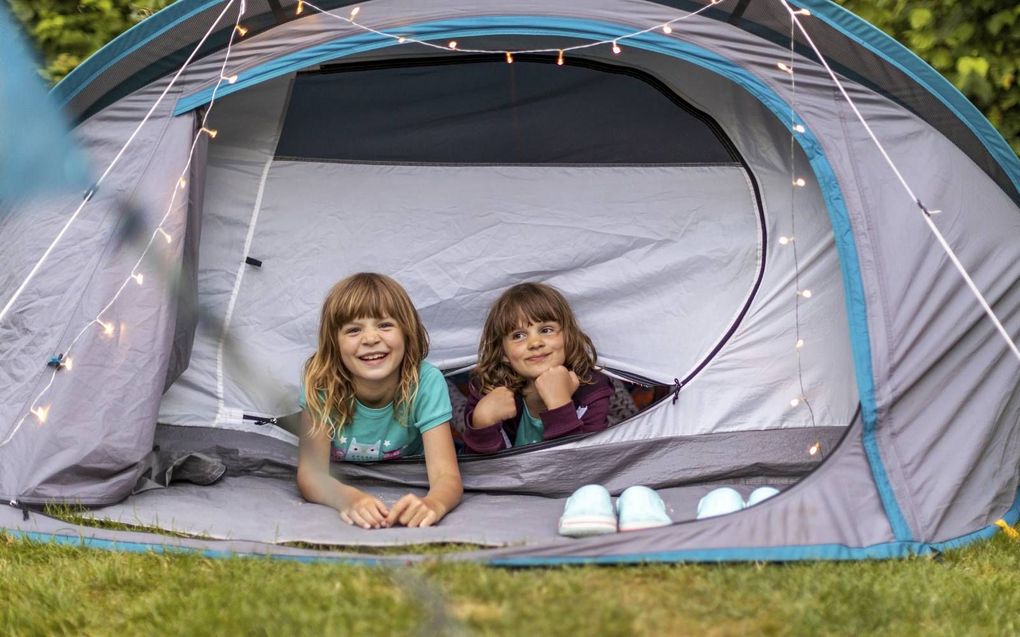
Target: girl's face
[[533, 349], [372, 349]]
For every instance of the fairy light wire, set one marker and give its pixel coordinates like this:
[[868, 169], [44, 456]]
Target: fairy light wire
[[116, 160], [512, 52], [41, 412], [925, 212], [796, 183]]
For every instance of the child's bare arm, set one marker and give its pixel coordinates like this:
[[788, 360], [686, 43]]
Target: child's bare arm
[[318, 486], [445, 487]]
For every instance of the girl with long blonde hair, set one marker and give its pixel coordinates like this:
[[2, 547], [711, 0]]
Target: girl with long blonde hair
[[369, 395]]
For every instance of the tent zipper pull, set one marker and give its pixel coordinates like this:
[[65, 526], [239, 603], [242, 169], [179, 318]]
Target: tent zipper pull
[[24, 509], [259, 420], [677, 386]]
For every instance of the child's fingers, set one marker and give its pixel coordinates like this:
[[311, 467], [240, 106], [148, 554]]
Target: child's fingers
[[398, 508], [346, 518], [359, 519], [423, 517]]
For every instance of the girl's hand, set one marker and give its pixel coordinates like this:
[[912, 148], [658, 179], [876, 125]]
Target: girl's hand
[[556, 386], [365, 511], [412, 511], [495, 407]]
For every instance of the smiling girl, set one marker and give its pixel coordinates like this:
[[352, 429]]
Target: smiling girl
[[536, 378], [368, 395]]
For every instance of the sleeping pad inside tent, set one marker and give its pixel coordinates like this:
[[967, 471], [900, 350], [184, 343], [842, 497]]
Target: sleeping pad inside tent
[[725, 228]]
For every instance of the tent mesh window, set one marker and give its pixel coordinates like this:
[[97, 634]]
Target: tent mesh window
[[481, 111]]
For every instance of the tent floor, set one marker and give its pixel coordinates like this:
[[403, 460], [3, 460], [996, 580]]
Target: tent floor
[[270, 510]]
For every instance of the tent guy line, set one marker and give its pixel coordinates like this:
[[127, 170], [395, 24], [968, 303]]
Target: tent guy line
[[925, 211], [91, 192], [41, 412]]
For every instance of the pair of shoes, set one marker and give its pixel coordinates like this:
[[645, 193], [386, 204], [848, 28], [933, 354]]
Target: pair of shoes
[[726, 500], [589, 511]]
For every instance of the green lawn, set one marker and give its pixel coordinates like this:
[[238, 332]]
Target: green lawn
[[47, 589]]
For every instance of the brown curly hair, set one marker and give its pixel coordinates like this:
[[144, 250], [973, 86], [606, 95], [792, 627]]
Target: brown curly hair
[[329, 387], [522, 304]]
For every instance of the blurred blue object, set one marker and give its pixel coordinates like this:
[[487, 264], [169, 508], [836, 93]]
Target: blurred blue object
[[37, 155]]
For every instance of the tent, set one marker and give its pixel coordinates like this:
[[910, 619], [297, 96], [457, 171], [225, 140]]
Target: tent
[[732, 217]]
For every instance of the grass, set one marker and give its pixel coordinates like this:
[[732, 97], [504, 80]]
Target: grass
[[48, 589]]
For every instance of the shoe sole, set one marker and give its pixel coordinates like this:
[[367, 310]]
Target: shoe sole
[[587, 526]]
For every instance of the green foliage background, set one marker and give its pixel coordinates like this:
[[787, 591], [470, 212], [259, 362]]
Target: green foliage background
[[974, 43]]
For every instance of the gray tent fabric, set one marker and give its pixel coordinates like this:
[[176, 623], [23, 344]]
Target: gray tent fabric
[[909, 440]]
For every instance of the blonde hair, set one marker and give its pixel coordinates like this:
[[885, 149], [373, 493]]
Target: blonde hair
[[515, 308], [329, 387]]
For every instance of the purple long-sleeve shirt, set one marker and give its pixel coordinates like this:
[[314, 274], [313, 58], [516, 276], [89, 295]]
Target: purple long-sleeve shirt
[[586, 413]]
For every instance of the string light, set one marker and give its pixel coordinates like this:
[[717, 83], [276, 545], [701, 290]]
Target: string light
[[795, 402], [616, 48], [801, 12], [784, 240], [799, 344], [799, 182], [805, 293], [783, 67], [509, 58], [354, 12], [67, 363], [667, 29], [230, 80], [401, 39], [452, 45], [182, 182], [300, 7], [138, 278], [107, 327], [798, 128], [211, 132], [41, 414], [814, 449], [241, 31], [559, 59], [166, 235]]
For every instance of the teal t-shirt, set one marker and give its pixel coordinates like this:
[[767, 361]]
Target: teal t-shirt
[[375, 434], [530, 429]]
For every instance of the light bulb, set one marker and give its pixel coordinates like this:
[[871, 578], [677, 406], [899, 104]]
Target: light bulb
[[509, 57], [182, 182], [41, 414], [794, 402], [799, 182], [667, 29], [800, 343], [784, 240], [138, 278], [67, 363], [616, 48], [211, 132], [107, 327], [230, 80], [805, 293], [559, 60], [815, 448], [401, 40], [798, 128], [801, 12], [354, 12], [783, 67], [300, 7], [452, 44], [241, 31], [166, 235]]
